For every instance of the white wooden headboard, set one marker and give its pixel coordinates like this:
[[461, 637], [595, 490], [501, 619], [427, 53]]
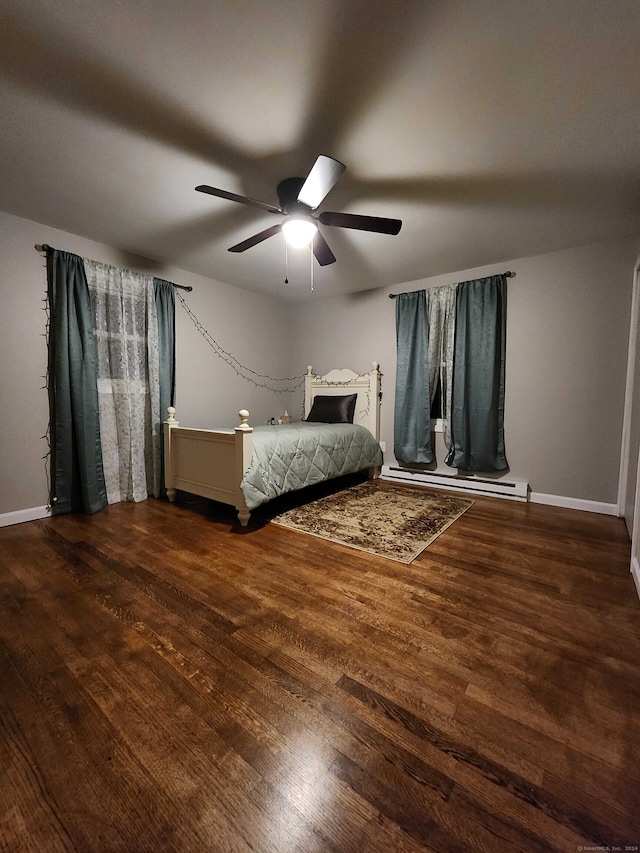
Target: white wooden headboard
[[345, 381]]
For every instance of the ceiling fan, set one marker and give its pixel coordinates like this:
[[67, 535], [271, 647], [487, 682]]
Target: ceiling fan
[[298, 198]]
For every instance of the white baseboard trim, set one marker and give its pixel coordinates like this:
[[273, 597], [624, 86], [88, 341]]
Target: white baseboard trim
[[635, 573], [574, 503], [20, 515]]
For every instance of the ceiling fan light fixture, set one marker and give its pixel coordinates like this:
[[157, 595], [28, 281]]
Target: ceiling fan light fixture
[[298, 197], [298, 232]]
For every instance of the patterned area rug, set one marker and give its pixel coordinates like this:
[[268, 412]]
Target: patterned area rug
[[384, 519]]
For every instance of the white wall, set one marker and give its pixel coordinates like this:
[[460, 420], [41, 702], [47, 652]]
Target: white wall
[[252, 328], [255, 329], [567, 333]]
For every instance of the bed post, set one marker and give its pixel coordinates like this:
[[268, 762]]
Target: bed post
[[307, 390], [375, 396], [243, 448], [169, 424]]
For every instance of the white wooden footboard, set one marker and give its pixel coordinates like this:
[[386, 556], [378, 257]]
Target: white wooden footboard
[[209, 463]]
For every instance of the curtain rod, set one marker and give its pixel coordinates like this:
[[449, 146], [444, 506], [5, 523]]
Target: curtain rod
[[42, 247], [507, 274]]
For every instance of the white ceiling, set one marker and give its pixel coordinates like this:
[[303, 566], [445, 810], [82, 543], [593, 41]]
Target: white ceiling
[[495, 129]]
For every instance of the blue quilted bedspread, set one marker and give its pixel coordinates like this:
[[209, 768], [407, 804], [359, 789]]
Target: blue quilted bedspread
[[291, 456]]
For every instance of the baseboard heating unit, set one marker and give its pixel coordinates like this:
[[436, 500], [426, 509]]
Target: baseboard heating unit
[[515, 491]]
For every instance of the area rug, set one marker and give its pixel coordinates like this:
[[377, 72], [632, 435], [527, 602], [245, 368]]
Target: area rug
[[383, 519]]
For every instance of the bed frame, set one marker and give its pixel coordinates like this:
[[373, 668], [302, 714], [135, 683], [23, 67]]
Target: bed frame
[[212, 463]]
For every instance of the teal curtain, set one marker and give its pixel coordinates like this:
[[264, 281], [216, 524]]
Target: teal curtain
[[477, 406], [166, 311], [77, 478], [412, 423]]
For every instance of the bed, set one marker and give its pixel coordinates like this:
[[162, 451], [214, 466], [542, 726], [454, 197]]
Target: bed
[[247, 466]]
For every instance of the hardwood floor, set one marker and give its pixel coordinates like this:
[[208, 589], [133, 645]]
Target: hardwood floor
[[172, 683]]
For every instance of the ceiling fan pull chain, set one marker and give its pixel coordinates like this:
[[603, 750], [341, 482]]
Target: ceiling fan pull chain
[[311, 258], [286, 263]]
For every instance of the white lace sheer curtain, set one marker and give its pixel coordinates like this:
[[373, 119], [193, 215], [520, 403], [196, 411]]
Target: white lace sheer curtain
[[441, 307], [126, 328]]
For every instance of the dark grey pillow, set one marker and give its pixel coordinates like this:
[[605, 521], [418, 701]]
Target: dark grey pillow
[[333, 409]]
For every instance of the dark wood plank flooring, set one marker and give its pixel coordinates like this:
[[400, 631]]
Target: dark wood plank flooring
[[169, 682]]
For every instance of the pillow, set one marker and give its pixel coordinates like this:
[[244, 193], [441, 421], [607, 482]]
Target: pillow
[[333, 409]]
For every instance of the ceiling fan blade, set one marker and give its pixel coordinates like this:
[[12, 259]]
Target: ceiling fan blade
[[323, 176], [380, 224], [257, 238], [322, 253], [243, 199]]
